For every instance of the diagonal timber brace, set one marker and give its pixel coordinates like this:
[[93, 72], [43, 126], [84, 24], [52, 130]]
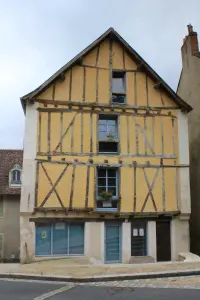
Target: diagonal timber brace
[[53, 186], [150, 187]]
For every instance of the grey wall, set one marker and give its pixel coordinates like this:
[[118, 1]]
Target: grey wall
[[9, 226], [189, 90]]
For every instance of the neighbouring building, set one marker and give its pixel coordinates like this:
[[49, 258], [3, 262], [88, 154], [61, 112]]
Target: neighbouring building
[[106, 164], [189, 90], [10, 189]]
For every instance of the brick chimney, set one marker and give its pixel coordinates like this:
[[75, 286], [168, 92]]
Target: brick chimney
[[191, 40], [190, 46]]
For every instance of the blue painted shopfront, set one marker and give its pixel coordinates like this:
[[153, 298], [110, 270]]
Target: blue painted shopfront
[[59, 239]]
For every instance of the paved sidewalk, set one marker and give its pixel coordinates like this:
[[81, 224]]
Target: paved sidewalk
[[190, 282], [84, 269]]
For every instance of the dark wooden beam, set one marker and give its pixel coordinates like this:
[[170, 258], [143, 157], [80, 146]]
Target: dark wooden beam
[[157, 85], [61, 77], [140, 67], [103, 105]]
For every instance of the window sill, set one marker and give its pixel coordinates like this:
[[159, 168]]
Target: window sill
[[109, 140], [106, 209], [118, 103], [107, 153], [15, 185]]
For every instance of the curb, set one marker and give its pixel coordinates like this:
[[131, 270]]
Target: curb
[[104, 278]]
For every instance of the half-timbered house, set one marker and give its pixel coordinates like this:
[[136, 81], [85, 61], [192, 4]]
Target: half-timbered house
[[106, 166]]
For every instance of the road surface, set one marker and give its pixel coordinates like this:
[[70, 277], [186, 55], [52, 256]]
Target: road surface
[[35, 290]]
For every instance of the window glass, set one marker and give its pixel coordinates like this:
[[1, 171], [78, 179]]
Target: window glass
[[111, 172], [118, 99], [109, 183], [102, 172], [16, 177], [105, 147], [107, 129], [118, 84], [101, 181], [59, 239]]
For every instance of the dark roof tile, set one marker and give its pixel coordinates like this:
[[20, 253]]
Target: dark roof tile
[[9, 158]]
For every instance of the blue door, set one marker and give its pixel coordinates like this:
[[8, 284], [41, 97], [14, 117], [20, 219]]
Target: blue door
[[43, 240], [113, 243], [76, 239], [60, 239]]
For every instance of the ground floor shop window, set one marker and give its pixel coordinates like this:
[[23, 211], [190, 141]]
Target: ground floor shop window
[[59, 239]]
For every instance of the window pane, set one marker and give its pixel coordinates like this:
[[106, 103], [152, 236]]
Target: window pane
[[111, 181], [101, 181], [13, 175], [101, 172], [18, 175], [102, 122], [112, 129], [111, 122], [113, 190], [105, 147], [111, 172], [102, 135], [100, 190], [118, 99], [118, 85], [102, 127]]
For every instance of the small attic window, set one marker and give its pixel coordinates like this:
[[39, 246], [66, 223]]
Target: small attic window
[[118, 87], [15, 176]]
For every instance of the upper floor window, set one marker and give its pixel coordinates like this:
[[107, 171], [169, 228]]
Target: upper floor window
[[108, 134], [15, 176], [118, 87], [107, 188]]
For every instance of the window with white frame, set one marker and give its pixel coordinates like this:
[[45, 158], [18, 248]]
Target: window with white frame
[[15, 176], [108, 133], [118, 88], [107, 188]]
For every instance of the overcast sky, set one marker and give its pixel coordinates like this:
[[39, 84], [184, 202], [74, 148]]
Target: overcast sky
[[37, 37]]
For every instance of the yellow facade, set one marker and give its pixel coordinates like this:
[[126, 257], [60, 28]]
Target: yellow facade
[[67, 143]]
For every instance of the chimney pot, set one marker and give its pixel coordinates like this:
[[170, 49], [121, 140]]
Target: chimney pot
[[190, 28]]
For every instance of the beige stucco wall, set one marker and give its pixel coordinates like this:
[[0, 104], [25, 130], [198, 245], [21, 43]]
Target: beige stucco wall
[[94, 240], [9, 227], [180, 240], [151, 239], [27, 202], [183, 146], [126, 242], [189, 90]]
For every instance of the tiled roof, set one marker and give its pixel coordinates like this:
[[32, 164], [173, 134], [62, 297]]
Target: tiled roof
[[9, 158]]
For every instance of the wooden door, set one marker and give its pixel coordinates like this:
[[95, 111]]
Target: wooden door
[[163, 240]]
